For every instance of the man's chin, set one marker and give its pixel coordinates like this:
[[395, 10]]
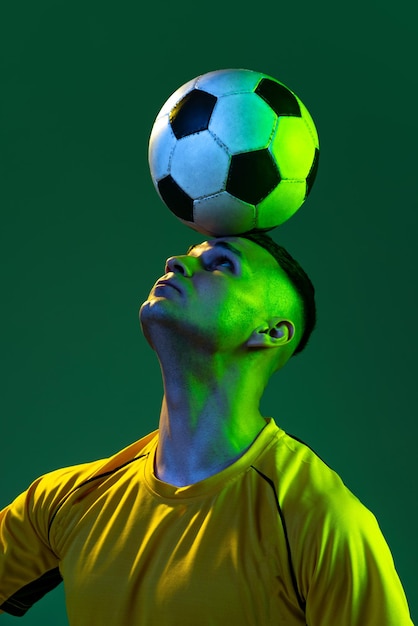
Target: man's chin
[[154, 317]]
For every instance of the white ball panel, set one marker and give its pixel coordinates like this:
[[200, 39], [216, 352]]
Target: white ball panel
[[243, 122], [224, 82], [281, 203], [199, 165], [293, 148], [161, 147], [196, 227], [223, 214]]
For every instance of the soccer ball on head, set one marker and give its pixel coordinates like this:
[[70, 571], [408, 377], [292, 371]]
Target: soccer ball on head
[[233, 151]]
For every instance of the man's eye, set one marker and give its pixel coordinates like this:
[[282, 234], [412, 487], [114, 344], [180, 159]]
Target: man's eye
[[221, 261]]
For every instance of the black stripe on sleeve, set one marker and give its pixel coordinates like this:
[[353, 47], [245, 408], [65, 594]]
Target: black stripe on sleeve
[[299, 598], [86, 482], [22, 600]]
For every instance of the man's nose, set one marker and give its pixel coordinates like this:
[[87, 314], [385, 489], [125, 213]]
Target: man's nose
[[180, 265]]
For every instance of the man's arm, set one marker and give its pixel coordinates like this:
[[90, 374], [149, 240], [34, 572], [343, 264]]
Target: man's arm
[[352, 576], [28, 565]]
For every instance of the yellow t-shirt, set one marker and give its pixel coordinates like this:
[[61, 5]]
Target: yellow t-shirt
[[274, 539]]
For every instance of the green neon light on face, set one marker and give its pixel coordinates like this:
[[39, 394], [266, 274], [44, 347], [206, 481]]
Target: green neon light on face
[[259, 273], [256, 283]]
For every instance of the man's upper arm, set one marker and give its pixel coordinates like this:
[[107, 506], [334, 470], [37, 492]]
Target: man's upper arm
[[352, 576], [25, 556], [29, 566]]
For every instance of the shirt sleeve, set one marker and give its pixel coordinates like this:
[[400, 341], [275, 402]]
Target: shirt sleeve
[[349, 574], [29, 567], [26, 560]]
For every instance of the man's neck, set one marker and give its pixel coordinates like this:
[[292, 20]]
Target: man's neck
[[207, 422]]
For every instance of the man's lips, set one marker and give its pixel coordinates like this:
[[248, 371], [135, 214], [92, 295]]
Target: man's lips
[[169, 283]]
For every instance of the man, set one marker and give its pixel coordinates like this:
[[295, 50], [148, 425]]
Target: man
[[219, 517]]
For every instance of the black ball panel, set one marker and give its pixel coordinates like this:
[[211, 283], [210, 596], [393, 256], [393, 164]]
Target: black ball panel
[[312, 174], [192, 114], [252, 176], [180, 203], [279, 97]]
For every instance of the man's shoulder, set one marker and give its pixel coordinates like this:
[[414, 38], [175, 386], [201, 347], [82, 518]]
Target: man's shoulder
[[125, 456], [304, 481], [54, 486], [316, 505]]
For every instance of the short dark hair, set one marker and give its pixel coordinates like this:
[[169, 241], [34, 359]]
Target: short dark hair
[[299, 279]]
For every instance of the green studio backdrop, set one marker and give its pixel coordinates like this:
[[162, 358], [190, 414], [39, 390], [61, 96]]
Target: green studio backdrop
[[83, 234]]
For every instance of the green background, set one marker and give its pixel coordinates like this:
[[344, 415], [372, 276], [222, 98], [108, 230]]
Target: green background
[[83, 234]]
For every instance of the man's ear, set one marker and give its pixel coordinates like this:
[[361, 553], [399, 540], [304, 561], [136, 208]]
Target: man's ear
[[277, 332]]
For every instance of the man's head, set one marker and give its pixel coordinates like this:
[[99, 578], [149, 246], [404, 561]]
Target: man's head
[[233, 296]]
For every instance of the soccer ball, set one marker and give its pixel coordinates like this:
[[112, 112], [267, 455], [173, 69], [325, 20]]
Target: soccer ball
[[233, 151]]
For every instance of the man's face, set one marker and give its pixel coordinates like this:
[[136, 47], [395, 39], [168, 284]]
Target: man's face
[[218, 293]]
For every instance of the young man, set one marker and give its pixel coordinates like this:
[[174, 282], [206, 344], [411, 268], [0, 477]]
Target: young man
[[219, 517]]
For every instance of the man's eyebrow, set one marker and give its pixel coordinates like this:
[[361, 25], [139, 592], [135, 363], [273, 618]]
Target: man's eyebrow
[[221, 244]]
